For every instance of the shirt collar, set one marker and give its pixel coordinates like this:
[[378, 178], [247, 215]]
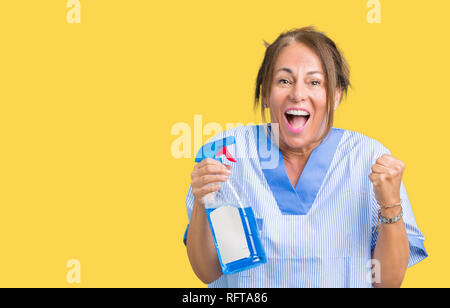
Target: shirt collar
[[296, 200]]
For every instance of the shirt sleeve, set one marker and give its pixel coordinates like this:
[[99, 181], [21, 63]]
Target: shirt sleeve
[[416, 239], [221, 282], [189, 207]]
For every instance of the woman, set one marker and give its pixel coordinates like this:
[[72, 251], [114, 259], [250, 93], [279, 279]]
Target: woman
[[333, 210]]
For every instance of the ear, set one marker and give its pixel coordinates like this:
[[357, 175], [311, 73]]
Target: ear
[[337, 97]]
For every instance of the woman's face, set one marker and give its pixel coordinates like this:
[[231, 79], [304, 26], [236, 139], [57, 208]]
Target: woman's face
[[298, 97]]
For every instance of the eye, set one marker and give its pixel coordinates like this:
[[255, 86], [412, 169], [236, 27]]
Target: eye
[[315, 82], [284, 82]]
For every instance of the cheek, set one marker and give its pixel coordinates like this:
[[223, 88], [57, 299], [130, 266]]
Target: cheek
[[276, 101], [277, 97], [320, 103], [320, 97]]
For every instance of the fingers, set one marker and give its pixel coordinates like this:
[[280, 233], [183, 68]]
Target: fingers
[[209, 161], [212, 166], [207, 175], [389, 166], [380, 169], [199, 193], [386, 178], [386, 169], [214, 169], [377, 178], [207, 179], [389, 161]]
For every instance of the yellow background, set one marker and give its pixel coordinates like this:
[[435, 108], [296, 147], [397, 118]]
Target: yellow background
[[86, 111]]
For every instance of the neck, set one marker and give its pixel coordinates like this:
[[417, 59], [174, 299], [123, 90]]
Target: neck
[[297, 156], [295, 161]]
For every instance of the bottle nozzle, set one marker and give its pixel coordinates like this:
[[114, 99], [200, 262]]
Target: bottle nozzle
[[216, 149]]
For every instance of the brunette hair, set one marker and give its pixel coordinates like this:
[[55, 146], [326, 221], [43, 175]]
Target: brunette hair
[[335, 67]]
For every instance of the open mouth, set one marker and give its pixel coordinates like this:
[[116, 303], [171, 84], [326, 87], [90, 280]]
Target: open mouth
[[296, 119]]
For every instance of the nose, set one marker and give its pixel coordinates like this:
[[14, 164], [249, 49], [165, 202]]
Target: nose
[[298, 93]]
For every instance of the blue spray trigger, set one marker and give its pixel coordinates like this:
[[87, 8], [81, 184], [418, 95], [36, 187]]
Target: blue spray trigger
[[215, 150]]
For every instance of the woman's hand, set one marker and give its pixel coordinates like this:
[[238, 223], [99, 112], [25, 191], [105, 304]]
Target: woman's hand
[[386, 177], [206, 176]]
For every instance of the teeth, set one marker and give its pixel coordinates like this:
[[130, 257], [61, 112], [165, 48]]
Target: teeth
[[298, 112]]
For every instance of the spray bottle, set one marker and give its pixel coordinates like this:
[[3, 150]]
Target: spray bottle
[[232, 223]]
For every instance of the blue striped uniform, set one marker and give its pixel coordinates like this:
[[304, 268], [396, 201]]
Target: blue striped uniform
[[319, 233]]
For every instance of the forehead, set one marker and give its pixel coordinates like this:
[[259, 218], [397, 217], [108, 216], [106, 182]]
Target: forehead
[[298, 56]]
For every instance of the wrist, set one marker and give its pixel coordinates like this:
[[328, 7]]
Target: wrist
[[391, 209], [391, 212], [198, 203]]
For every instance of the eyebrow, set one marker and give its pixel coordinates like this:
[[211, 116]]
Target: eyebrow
[[290, 71]]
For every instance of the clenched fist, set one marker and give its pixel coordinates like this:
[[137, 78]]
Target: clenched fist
[[386, 177]]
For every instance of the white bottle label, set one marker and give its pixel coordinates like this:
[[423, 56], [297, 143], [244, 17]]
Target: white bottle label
[[230, 234]]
